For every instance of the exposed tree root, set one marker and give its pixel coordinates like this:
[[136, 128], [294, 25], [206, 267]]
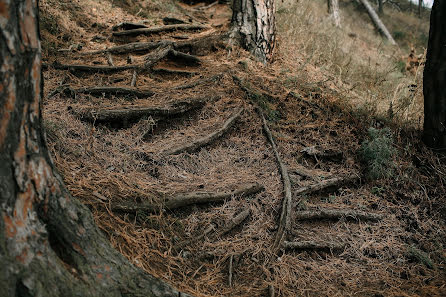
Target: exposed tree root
[[231, 260], [187, 199], [325, 184], [128, 26], [319, 153], [185, 58], [132, 47], [285, 216], [336, 214], [167, 71], [313, 246], [93, 68], [106, 90], [160, 29], [134, 77], [172, 21], [195, 145], [214, 78], [134, 113], [240, 218]]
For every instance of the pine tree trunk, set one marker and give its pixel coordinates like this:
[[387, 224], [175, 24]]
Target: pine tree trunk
[[253, 27], [435, 80], [333, 10], [49, 244]]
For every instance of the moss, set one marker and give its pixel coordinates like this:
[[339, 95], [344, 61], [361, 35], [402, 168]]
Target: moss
[[416, 255]]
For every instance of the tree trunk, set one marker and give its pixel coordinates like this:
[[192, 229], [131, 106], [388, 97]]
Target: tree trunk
[[380, 7], [253, 27], [49, 244], [333, 10], [435, 80], [377, 21], [420, 6]]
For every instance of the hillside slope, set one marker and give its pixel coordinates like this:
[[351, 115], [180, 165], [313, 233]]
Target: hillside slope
[[119, 151]]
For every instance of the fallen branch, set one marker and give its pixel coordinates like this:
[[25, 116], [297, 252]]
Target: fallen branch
[[324, 184], [105, 90], [336, 214], [285, 216], [93, 68], [199, 82], [160, 29], [134, 113], [312, 245], [195, 145], [377, 21], [172, 21], [187, 199]]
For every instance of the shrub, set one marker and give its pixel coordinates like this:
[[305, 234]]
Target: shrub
[[377, 153]]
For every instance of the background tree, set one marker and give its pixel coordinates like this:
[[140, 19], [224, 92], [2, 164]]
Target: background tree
[[380, 7], [254, 27], [435, 80], [49, 244], [420, 6], [333, 10]]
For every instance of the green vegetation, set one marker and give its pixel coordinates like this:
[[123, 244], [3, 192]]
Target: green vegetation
[[377, 153]]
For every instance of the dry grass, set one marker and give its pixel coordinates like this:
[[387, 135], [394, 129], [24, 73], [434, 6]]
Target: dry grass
[[120, 164], [352, 61]]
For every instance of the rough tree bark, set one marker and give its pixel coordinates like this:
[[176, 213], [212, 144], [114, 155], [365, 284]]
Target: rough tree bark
[[377, 21], [435, 80], [253, 27], [333, 10], [49, 244]]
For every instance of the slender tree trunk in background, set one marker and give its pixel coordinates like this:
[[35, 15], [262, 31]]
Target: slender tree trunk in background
[[333, 10], [49, 244], [377, 21], [434, 81], [380, 7], [254, 27], [420, 6]]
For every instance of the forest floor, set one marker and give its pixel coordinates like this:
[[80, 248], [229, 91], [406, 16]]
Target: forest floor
[[147, 134]]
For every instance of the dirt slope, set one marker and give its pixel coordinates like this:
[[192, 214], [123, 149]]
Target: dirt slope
[[194, 85]]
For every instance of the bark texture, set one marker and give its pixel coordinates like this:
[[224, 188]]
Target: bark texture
[[49, 244], [377, 21], [253, 26], [435, 79]]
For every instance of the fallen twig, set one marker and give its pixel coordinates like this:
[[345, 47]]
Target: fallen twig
[[285, 216], [317, 152], [336, 214], [187, 199], [132, 47], [134, 76], [196, 144]]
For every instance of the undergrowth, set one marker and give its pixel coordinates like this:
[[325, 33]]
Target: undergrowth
[[377, 153]]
